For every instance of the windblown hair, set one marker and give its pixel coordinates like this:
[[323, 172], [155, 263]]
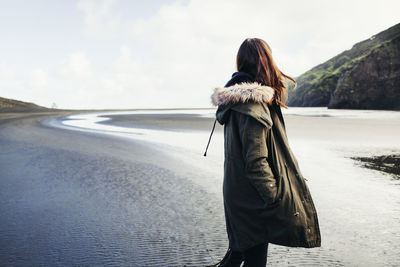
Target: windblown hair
[[255, 58]]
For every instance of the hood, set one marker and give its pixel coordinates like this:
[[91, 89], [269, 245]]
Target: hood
[[244, 95], [246, 98]]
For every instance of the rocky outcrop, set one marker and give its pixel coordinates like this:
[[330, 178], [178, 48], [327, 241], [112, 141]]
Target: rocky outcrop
[[364, 77], [373, 83]]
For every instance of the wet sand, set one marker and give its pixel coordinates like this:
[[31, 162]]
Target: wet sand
[[70, 198], [173, 122], [77, 198]]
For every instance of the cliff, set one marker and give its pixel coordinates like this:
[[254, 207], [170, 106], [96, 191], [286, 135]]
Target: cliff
[[373, 83], [365, 77]]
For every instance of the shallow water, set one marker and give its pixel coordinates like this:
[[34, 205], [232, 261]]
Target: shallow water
[[181, 221]]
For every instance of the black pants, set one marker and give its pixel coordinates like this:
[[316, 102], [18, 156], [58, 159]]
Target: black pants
[[256, 256]]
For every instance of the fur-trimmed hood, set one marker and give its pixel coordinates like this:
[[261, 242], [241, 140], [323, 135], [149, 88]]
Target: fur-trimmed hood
[[242, 93]]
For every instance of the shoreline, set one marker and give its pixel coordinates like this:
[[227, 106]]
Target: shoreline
[[185, 122], [388, 163]]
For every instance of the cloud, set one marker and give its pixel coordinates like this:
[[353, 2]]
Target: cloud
[[38, 78], [301, 33], [125, 70], [6, 73], [98, 18], [77, 66], [126, 81]]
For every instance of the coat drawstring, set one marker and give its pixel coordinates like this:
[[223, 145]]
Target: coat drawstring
[[205, 153]]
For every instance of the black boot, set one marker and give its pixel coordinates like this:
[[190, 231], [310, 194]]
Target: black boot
[[231, 259], [256, 256]]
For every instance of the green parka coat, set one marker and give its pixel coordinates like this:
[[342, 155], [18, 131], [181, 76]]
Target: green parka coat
[[266, 198]]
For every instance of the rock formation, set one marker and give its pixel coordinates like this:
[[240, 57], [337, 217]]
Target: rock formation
[[365, 77], [373, 83]]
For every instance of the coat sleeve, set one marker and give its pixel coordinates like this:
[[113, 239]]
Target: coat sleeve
[[253, 136]]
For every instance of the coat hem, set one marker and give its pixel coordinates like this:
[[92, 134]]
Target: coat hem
[[310, 244]]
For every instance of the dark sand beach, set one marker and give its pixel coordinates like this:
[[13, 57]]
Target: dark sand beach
[[71, 198]]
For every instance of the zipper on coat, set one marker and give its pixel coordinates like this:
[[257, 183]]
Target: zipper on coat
[[296, 213]]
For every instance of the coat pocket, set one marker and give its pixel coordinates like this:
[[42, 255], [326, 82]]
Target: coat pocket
[[268, 190]]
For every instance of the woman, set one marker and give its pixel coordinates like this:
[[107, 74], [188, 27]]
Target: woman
[[266, 198]]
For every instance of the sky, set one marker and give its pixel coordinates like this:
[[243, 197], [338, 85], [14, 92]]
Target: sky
[[127, 54]]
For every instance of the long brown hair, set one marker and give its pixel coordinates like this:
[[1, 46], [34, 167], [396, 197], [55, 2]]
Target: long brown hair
[[255, 58]]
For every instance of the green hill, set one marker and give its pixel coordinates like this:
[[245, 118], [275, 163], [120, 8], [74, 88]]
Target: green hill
[[365, 77], [11, 105]]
